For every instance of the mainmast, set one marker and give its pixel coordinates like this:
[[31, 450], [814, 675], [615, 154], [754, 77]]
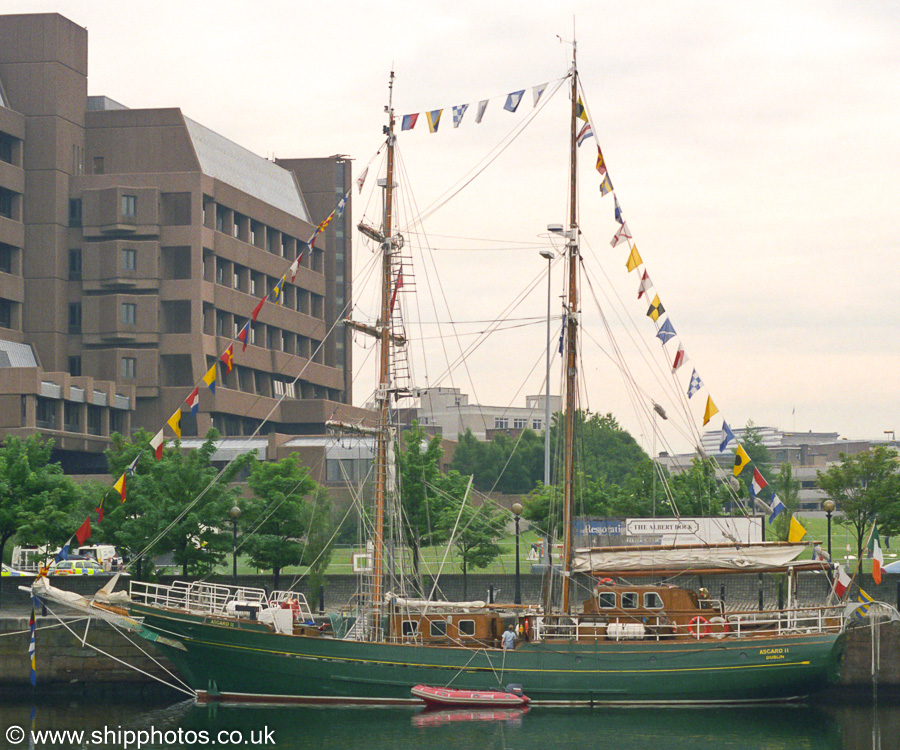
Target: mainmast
[[383, 394], [571, 351]]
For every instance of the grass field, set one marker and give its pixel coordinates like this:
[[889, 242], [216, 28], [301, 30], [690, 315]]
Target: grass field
[[432, 557]]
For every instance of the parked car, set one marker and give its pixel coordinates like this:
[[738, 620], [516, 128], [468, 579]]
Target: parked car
[[8, 571], [893, 567], [76, 568]]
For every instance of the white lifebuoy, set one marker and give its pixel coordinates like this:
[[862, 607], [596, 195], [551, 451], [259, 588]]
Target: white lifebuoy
[[721, 627]]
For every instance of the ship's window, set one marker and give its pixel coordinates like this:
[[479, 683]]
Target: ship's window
[[437, 628], [652, 600], [466, 627], [409, 628], [629, 600], [607, 599]]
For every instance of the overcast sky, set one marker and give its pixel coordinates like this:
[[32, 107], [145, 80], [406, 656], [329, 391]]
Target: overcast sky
[[753, 147]]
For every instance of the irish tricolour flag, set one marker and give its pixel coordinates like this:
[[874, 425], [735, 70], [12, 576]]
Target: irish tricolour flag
[[875, 554]]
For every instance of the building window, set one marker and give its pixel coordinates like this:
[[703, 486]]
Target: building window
[[74, 264], [5, 313], [129, 367], [501, 423], [129, 258], [75, 212], [6, 257], [74, 317], [6, 203], [94, 419], [537, 424], [6, 148], [98, 166], [129, 313], [71, 417], [129, 206], [116, 421], [75, 366], [45, 413], [520, 424]]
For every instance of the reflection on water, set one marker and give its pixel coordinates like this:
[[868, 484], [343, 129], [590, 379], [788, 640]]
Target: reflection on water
[[842, 727]]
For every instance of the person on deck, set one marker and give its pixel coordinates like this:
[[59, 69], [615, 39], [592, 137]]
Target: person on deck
[[509, 637]]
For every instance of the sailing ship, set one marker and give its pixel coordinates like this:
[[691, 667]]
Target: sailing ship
[[625, 643]]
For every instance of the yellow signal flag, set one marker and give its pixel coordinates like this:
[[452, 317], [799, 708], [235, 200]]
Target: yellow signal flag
[[120, 487], [175, 422], [741, 459], [580, 111], [711, 410], [634, 259], [656, 309], [797, 532]]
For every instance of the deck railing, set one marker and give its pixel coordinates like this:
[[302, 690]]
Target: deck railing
[[197, 597]]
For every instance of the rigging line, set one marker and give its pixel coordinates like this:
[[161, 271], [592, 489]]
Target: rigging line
[[228, 464], [638, 342], [462, 506], [619, 361], [489, 158], [670, 382], [498, 329], [525, 244], [511, 306], [99, 650]]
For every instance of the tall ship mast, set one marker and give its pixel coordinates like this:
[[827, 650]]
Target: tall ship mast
[[383, 392], [571, 339]]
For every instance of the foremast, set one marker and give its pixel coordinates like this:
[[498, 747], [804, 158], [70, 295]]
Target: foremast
[[571, 342], [383, 393]]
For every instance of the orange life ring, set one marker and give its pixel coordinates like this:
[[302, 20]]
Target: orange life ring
[[702, 629], [525, 628], [606, 582], [295, 608]]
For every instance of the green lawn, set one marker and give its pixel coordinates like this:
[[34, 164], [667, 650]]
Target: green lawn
[[431, 557]]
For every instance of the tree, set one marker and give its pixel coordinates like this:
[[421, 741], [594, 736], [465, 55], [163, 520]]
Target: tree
[[862, 486], [423, 490], [277, 516], [178, 504], [505, 464], [37, 500], [319, 539], [695, 491], [788, 490], [752, 442], [475, 535]]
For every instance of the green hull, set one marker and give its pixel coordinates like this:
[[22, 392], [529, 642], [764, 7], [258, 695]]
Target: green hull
[[245, 661]]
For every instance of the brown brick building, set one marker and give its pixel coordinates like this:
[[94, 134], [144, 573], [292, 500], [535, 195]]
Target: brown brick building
[[134, 245]]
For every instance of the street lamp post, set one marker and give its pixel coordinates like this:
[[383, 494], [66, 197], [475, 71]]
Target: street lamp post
[[235, 514], [828, 505], [549, 255], [517, 512]]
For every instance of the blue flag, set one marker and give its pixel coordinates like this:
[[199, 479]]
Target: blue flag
[[727, 436], [776, 506], [63, 554], [666, 331], [562, 334], [513, 100]]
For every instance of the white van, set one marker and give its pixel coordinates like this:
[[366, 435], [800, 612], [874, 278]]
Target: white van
[[30, 559], [105, 554]]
